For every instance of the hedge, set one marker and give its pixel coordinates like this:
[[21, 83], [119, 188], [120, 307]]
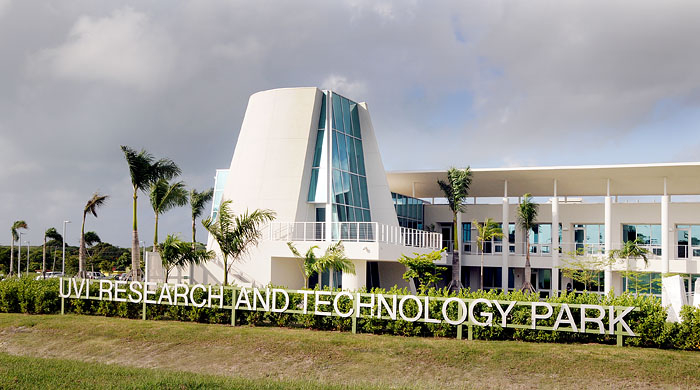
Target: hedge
[[30, 296]]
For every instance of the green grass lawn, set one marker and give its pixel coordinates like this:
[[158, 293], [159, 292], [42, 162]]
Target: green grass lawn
[[96, 352]]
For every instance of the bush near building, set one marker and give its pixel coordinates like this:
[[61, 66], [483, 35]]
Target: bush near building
[[30, 296]]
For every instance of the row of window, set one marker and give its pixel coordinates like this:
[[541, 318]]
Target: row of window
[[409, 211]]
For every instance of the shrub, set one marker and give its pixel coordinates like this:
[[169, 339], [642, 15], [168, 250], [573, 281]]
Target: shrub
[[26, 295]]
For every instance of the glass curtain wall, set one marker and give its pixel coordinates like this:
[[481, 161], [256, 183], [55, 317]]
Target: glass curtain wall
[[650, 235], [219, 185], [409, 210], [350, 196]]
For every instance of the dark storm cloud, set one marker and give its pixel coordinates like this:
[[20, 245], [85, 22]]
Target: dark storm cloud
[[481, 83]]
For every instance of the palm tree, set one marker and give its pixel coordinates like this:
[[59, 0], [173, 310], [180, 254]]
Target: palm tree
[[631, 250], [54, 235], [144, 171], [91, 238], [527, 217], [487, 232], [198, 200], [165, 196], [91, 206], [236, 234], [456, 189], [177, 253], [15, 236], [334, 258]]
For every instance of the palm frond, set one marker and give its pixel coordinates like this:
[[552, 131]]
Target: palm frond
[[53, 234], [18, 225], [527, 213], [165, 196], [198, 200], [94, 203]]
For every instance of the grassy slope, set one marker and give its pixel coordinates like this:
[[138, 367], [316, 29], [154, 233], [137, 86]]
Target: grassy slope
[[286, 355]]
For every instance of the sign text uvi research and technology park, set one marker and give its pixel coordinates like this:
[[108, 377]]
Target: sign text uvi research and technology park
[[583, 318]]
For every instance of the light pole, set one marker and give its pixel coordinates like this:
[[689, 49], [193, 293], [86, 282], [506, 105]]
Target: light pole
[[145, 263], [27, 257], [19, 256], [63, 269]]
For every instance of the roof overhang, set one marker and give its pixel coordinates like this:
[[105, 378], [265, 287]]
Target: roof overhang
[[589, 180]]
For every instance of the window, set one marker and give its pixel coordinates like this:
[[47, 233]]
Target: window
[[650, 235], [541, 238], [589, 239], [409, 211]]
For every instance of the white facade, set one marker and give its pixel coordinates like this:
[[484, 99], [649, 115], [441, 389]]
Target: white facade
[[286, 135], [272, 168]]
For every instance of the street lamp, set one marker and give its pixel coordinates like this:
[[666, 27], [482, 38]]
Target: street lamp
[[19, 256], [143, 245], [27, 257], [63, 269]]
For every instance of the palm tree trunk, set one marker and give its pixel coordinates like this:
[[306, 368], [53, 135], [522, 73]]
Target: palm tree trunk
[[456, 283], [155, 235], [81, 253], [12, 255], [527, 286], [43, 259], [225, 271], [194, 232], [135, 255], [482, 270]]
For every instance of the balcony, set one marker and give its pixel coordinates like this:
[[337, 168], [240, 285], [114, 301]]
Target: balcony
[[362, 232]]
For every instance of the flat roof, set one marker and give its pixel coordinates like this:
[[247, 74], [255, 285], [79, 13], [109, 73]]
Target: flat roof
[[584, 180]]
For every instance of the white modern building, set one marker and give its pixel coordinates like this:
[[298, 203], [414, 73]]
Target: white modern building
[[312, 157]]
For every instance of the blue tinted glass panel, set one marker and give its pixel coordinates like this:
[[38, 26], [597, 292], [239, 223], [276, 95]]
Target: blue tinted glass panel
[[350, 214], [363, 192], [346, 187], [656, 234], [336, 159], [355, 190], [343, 151], [342, 216], [644, 233], [355, 121], [312, 185], [346, 116], [360, 157], [337, 113], [318, 151], [322, 116], [366, 215], [352, 155], [338, 187]]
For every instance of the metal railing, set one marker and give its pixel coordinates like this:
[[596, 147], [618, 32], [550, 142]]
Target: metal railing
[[353, 232]]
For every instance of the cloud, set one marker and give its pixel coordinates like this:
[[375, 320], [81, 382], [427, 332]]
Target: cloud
[[124, 48], [351, 89], [4, 6]]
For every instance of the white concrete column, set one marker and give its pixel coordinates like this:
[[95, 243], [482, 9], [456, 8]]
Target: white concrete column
[[608, 238], [665, 247], [359, 279], [555, 241], [506, 244], [328, 140]]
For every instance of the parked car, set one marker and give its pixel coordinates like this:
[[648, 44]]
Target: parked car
[[55, 275], [95, 275]]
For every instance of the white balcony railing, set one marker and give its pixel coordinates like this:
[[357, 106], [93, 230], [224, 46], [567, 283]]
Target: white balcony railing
[[353, 232]]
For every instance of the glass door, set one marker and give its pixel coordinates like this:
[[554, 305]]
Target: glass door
[[682, 242]]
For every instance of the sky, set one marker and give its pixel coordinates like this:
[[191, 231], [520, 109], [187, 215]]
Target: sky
[[448, 83]]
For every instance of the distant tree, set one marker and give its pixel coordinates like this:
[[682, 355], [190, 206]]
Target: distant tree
[[486, 232], [54, 235], [91, 206], [176, 253], [165, 196], [197, 201], [15, 236], [144, 171], [334, 258], [236, 234], [422, 269], [584, 269], [456, 190], [527, 218]]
